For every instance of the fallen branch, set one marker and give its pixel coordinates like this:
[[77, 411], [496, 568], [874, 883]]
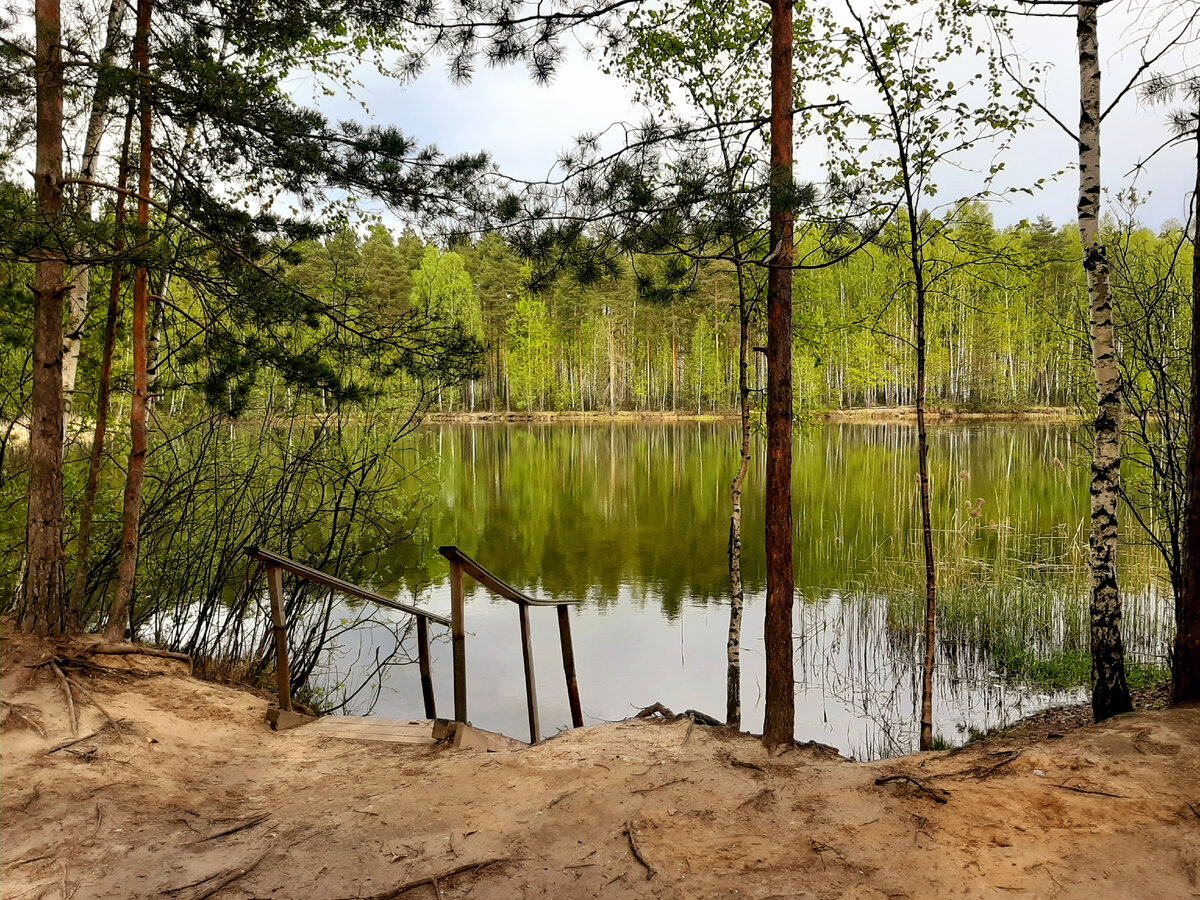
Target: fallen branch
[[234, 829], [70, 700], [694, 715], [657, 786], [821, 849], [637, 853], [1080, 790], [560, 798], [654, 708], [703, 718], [26, 861], [78, 740], [936, 794], [431, 880], [228, 878], [738, 764]]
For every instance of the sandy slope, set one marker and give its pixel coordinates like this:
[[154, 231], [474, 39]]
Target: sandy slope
[[138, 814]]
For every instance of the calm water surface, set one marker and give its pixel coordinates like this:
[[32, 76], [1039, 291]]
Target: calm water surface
[[633, 520]]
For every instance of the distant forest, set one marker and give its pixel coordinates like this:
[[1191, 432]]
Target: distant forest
[[1007, 325]]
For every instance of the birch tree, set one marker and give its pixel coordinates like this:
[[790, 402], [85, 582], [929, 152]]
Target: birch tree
[[927, 122], [1175, 25], [1110, 692]]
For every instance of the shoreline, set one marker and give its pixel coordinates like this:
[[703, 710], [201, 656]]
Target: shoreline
[[866, 415]]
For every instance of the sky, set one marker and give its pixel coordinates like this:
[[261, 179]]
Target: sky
[[524, 126]]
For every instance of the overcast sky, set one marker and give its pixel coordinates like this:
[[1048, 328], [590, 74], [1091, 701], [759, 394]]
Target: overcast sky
[[525, 126]]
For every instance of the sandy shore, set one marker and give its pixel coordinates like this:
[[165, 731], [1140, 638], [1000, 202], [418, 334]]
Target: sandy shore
[[192, 796]]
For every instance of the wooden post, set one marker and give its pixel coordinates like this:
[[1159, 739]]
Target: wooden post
[[568, 655], [278, 621], [530, 687], [458, 637], [423, 662]]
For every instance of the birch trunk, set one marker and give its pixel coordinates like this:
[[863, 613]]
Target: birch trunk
[[42, 607], [77, 306], [1110, 693], [131, 514], [779, 721], [737, 595], [103, 395]]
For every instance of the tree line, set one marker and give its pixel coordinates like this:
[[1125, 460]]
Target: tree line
[[1010, 333]]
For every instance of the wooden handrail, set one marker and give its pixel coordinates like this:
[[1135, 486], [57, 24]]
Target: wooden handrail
[[342, 587], [276, 565], [494, 584], [460, 563]]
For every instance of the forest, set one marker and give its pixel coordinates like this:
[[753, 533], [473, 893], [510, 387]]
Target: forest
[[207, 344]]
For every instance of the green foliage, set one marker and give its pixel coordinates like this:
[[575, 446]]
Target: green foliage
[[530, 349], [442, 288]]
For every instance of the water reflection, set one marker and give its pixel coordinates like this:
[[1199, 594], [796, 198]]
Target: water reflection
[[633, 519]]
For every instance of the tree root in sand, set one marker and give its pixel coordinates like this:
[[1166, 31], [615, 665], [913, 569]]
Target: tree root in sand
[[67, 693], [694, 714], [124, 649], [637, 853], [937, 795]]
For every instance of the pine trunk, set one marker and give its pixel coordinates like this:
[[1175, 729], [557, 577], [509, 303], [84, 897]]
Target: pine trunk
[[1186, 668], [1110, 693], [131, 513], [779, 721], [42, 607]]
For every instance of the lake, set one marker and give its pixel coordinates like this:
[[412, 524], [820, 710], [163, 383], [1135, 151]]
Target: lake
[[632, 519]]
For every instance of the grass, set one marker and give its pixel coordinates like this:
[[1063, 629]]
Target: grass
[[1016, 605]]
